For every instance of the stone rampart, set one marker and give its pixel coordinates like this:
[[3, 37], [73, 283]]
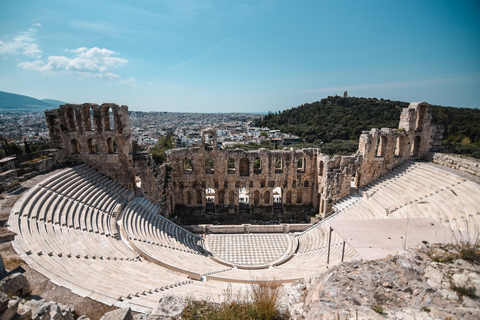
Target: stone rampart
[[455, 161]]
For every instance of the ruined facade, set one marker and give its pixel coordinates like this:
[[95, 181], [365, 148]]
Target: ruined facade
[[207, 180]]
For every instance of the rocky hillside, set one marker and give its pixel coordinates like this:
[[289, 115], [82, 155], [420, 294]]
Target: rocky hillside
[[429, 282]]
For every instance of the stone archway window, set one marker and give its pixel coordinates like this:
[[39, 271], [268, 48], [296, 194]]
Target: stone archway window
[[301, 165], [320, 168], [244, 167], [230, 166], [257, 166], [70, 119], [189, 197], [400, 146], [299, 197], [381, 146], [108, 118], [266, 197], [111, 145], [92, 145], [187, 166], [416, 146], [75, 146], [288, 200], [209, 166], [278, 165]]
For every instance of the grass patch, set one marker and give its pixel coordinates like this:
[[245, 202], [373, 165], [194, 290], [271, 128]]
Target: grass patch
[[426, 309], [378, 309], [260, 304], [462, 250], [12, 263], [465, 291]]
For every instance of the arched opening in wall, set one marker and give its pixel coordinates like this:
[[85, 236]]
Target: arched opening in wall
[[75, 146], [87, 118], [210, 199], [209, 166], [256, 197], [70, 119], [257, 166], [244, 167], [305, 184], [230, 166], [301, 165], [243, 199], [279, 165], [288, 199], [381, 146], [266, 197], [108, 119], [416, 146], [221, 197], [299, 197], [188, 197], [400, 146], [322, 205], [231, 197], [187, 166], [111, 145], [208, 141], [92, 145], [277, 198], [320, 168], [356, 180], [199, 197], [420, 117]]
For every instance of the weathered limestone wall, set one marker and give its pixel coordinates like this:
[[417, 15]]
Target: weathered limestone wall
[[197, 169], [462, 163], [96, 135]]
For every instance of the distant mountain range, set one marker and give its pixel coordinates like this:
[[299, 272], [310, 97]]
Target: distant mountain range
[[18, 102]]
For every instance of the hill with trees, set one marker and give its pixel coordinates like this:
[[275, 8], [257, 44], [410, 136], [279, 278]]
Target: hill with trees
[[338, 118]]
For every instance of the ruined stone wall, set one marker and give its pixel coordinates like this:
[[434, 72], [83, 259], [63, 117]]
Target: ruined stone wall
[[207, 177], [98, 135], [455, 161], [197, 169]]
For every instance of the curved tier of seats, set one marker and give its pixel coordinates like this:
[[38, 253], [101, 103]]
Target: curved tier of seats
[[163, 242], [67, 230]]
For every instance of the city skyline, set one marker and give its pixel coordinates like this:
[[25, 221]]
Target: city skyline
[[249, 56]]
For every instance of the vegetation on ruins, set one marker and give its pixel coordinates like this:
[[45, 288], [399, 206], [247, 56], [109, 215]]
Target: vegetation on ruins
[[12, 149], [338, 118], [261, 303], [158, 151]]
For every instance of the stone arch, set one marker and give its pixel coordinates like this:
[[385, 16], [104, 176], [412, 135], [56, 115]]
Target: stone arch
[[416, 146], [279, 165], [288, 198], [210, 196], [244, 167], [92, 145], [87, 114], [199, 197], [111, 145], [188, 196], [221, 197], [277, 195], [70, 114], [256, 197], [299, 197], [209, 166], [243, 199], [301, 165], [305, 184], [266, 197], [75, 146], [381, 146], [230, 166], [257, 166], [231, 197], [108, 119], [400, 146], [320, 168], [187, 166]]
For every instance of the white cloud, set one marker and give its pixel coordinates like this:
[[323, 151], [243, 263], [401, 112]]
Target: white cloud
[[93, 62], [129, 82], [23, 44]]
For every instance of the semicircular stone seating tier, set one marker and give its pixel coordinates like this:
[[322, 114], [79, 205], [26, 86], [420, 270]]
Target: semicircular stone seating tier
[[87, 233]]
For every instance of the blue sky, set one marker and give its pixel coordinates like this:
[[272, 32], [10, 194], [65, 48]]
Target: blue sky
[[229, 56]]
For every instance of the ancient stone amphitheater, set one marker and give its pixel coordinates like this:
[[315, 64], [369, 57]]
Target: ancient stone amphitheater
[[101, 239]]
